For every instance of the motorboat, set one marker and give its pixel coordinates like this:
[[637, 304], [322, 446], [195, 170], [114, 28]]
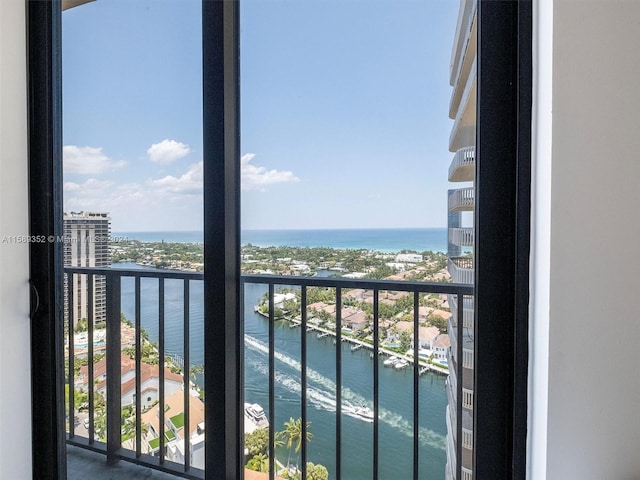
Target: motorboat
[[400, 365], [391, 361], [364, 413]]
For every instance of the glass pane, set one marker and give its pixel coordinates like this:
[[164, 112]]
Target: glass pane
[[132, 161], [346, 121]]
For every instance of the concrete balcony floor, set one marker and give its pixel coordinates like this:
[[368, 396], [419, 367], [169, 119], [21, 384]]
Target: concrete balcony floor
[[84, 464]]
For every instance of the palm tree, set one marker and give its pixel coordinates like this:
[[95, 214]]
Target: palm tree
[[263, 462], [293, 435]]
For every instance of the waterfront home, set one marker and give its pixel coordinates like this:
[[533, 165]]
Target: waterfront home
[[441, 346], [426, 335], [353, 318], [149, 381], [174, 429]]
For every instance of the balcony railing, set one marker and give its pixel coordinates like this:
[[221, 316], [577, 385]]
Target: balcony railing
[[466, 16], [461, 269], [463, 165], [171, 442], [462, 237], [462, 199], [467, 314]]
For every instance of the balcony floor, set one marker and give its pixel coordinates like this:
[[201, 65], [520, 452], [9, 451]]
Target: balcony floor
[[83, 464]]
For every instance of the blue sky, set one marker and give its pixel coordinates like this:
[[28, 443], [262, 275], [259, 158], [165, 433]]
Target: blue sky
[[344, 113]]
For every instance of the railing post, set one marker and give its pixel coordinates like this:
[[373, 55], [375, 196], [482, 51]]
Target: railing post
[[113, 367]]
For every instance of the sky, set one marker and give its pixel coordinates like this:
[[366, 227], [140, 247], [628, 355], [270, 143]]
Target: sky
[[344, 113]]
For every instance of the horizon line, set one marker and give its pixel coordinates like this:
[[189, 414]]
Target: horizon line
[[286, 229]]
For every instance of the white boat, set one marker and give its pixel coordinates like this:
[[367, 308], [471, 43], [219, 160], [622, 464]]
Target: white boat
[[391, 361], [400, 365], [364, 413], [255, 413]]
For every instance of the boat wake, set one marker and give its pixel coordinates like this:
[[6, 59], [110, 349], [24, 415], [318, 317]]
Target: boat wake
[[321, 394]]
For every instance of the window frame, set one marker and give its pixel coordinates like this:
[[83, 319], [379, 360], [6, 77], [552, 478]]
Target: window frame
[[502, 231]]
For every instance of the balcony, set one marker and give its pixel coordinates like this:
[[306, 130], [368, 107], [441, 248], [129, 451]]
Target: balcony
[[163, 429], [463, 237], [466, 17], [463, 68], [467, 315], [466, 433], [463, 165], [461, 269], [462, 200], [467, 373], [463, 132]]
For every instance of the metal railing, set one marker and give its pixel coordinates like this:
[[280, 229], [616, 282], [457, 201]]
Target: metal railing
[[462, 199], [111, 413], [463, 158], [461, 269], [463, 237]]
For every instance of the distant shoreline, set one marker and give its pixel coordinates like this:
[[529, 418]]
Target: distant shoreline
[[383, 240]]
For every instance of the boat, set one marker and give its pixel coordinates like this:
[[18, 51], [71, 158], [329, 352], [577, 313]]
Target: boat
[[255, 413], [400, 365], [391, 361], [364, 413]]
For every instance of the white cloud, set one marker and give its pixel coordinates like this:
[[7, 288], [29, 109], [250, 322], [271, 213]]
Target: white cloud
[[254, 177], [167, 151], [189, 182], [87, 160]]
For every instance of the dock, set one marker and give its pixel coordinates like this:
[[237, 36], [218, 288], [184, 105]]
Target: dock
[[359, 344]]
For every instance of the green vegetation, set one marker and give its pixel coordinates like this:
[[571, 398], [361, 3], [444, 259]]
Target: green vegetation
[[317, 472], [279, 260], [257, 443], [292, 434]]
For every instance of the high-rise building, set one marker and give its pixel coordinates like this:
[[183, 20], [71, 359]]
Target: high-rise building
[[86, 244], [461, 205]]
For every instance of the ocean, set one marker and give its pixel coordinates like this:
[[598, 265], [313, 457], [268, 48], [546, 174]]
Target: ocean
[[380, 239]]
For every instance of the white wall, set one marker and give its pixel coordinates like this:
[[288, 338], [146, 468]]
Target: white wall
[[585, 419], [15, 393]]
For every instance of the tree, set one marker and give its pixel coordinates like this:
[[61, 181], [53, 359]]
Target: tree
[[259, 463], [405, 341], [257, 441], [437, 321], [100, 424], [293, 434], [195, 370], [317, 472], [82, 325]]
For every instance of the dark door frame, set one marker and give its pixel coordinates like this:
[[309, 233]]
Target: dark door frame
[[502, 229], [45, 219]]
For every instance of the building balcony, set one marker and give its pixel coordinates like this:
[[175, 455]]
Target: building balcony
[[468, 313], [463, 237], [466, 17], [463, 132], [463, 165], [161, 429], [466, 445], [461, 269], [462, 200], [464, 66], [468, 344], [467, 373]]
